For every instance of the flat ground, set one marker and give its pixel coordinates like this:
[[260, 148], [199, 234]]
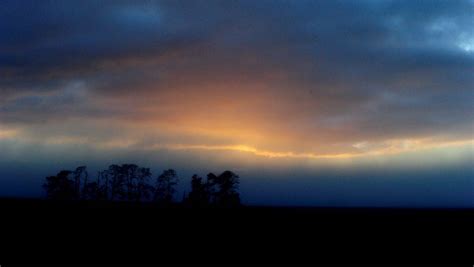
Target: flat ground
[[42, 231]]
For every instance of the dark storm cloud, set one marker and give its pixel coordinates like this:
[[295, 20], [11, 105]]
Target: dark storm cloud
[[386, 68]]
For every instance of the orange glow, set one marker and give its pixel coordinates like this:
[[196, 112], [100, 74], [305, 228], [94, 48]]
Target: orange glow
[[7, 133]]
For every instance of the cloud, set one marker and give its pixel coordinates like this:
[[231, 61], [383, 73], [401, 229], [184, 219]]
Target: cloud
[[306, 77]]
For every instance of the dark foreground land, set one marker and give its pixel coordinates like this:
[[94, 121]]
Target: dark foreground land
[[36, 231]]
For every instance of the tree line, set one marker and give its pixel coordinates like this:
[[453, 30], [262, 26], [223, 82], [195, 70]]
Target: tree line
[[132, 183]]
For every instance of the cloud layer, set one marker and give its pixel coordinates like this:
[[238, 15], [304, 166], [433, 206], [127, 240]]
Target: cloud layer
[[313, 76]]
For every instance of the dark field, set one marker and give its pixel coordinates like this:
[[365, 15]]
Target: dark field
[[42, 231]]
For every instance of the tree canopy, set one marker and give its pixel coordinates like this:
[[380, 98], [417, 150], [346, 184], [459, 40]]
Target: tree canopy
[[132, 183]]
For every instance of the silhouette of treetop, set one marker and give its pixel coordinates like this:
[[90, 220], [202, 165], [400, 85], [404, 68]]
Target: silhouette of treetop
[[130, 182]]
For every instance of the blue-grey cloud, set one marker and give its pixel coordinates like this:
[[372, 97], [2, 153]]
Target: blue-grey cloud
[[358, 57]]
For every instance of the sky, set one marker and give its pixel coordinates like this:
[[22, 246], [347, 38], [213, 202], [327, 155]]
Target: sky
[[314, 103]]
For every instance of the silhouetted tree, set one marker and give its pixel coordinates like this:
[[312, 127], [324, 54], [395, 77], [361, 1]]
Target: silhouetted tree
[[117, 182], [211, 188], [143, 189], [129, 172], [227, 194], [218, 190], [198, 197], [91, 191], [103, 185], [165, 186], [131, 183], [125, 182], [60, 187], [80, 181]]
